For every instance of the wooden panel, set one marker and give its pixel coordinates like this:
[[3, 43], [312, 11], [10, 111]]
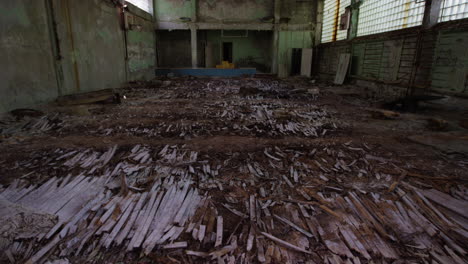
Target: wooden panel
[[450, 67], [306, 62]]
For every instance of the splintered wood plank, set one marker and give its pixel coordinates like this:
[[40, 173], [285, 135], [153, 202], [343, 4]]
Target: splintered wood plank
[[124, 233], [56, 200], [285, 244], [447, 201], [137, 240], [176, 245], [367, 215], [252, 208], [219, 231], [353, 242], [122, 220], [43, 251], [166, 214], [291, 224], [328, 230], [74, 205], [184, 206], [33, 196], [119, 210]]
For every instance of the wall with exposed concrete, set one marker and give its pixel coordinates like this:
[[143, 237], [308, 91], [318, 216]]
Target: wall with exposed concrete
[[173, 10], [92, 45], [57, 47], [141, 44], [228, 11], [27, 73]]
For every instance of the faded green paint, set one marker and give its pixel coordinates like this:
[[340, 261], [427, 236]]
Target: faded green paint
[[28, 73], [252, 51], [15, 15], [450, 66], [173, 10], [298, 12], [141, 54], [213, 10], [92, 45], [234, 11], [289, 40]]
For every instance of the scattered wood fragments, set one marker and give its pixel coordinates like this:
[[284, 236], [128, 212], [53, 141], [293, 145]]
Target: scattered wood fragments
[[169, 200]]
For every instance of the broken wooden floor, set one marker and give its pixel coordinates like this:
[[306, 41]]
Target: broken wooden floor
[[317, 199]]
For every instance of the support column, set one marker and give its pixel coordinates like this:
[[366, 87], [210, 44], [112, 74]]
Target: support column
[[431, 13], [318, 23], [276, 29], [354, 18], [194, 42], [193, 34]]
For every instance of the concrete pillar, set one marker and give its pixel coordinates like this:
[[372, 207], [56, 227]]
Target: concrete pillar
[[276, 29], [431, 13], [194, 42], [209, 55], [274, 61], [354, 18]]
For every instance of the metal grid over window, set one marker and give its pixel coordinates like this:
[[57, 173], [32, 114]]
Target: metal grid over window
[[331, 20], [453, 9], [342, 34], [329, 17], [377, 16], [145, 5]]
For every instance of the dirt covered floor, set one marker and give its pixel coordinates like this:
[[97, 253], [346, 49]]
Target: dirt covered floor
[[248, 170]]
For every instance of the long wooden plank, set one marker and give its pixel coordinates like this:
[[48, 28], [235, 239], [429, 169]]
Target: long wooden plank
[[140, 235], [124, 233], [122, 220], [447, 201]]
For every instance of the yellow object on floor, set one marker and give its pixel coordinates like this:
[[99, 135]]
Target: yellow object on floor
[[226, 65]]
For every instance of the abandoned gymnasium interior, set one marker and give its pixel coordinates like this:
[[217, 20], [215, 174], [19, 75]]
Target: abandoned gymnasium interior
[[234, 131]]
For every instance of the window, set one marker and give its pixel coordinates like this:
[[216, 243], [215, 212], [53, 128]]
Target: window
[[332, 11], [377, 16], [453, 9], [145, 5]]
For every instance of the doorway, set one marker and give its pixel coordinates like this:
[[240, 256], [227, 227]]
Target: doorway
[[296, 60], [227, 51]]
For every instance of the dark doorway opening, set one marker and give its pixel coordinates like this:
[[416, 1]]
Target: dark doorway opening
[[227, 51], [296, 61]]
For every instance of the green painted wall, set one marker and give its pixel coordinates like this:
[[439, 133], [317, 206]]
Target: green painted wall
[[141, 45], [141, 54], [289, 40], [85, 52], [92, 45], [28, 74], [173, 10], [450, 69], [255, 50], [213, 10], [298, 12], [234, 11]]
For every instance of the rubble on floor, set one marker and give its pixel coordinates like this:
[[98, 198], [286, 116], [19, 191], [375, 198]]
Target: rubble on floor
[[194, 172]]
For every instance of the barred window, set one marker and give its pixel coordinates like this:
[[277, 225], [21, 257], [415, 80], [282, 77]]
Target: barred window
[[453, 9], [377, 16], [332, 11]]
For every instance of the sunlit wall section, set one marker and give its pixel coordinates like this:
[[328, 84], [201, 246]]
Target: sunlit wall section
[[146, 5]]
